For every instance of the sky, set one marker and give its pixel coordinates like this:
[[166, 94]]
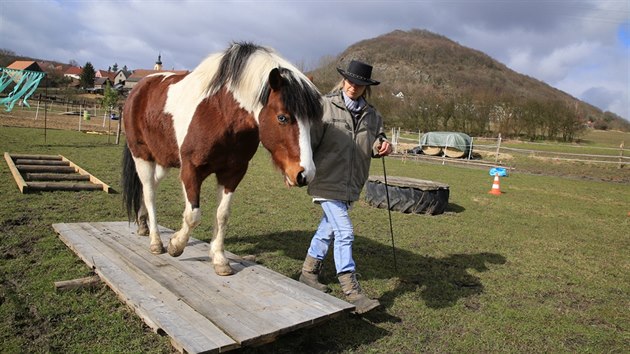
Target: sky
[[581, 47]]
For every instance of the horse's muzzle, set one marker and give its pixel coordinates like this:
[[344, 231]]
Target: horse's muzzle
[[301, 179]]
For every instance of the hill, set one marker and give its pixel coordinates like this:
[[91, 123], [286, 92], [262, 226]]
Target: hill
[[430, 82]]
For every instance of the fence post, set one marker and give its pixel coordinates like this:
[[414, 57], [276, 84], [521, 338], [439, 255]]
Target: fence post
[[620, 155], [80, 116], [120, 118], [496, 158], [37, 110]]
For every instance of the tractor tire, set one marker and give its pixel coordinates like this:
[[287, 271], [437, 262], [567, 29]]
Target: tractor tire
[[407, 195]]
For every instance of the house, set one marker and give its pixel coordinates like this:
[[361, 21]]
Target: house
[[140, 74], [25, 65], [16, 76], [73, 72], [121, 77], [108, 74], [101, 82]]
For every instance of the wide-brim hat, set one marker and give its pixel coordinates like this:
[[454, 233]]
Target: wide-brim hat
[[358, 73]]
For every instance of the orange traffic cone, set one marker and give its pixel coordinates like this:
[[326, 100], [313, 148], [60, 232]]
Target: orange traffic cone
[[496, 189]]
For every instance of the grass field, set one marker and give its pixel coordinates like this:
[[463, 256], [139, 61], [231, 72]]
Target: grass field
[[542, 268]]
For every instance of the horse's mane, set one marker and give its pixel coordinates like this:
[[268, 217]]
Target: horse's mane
[[244, 70]]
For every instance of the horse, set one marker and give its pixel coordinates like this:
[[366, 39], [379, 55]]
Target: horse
[[211, 121]]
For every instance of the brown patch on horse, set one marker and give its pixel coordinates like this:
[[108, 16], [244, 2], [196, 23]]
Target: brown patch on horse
[[221, 133], [144, 113]]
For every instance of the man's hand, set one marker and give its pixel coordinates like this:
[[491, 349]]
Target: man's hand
[[385, 148]]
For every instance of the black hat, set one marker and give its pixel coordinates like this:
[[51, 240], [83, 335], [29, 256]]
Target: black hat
[[358, 73]]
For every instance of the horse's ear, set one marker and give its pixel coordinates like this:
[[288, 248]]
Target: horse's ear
[[311, 78], [275, 79]]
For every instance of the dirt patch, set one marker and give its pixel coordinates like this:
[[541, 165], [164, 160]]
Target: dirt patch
[[30, 118]]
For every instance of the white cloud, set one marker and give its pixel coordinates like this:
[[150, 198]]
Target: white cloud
[[572, 45]]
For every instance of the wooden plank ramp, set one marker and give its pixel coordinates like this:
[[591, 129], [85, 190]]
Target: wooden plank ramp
[[51, 173], [183, 297]]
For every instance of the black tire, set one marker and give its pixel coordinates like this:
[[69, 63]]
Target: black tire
[[407, 195]]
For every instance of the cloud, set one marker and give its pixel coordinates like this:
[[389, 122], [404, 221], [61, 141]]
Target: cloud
[[571, 45]]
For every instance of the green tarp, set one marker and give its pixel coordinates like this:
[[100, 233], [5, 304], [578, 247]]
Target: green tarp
[[451, 143]]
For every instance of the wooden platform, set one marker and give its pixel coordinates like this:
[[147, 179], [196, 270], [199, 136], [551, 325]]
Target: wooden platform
[[51, 173], [184, 298]]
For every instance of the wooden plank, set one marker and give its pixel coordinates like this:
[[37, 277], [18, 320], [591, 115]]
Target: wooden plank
[[211, 296], [44, 168], [187, 328], [55, 177], [15, 172], [62, 186], [273, 309], [106, 188], [199, 251], [77, 283], [41, 162], [36, 157], [253, 306]]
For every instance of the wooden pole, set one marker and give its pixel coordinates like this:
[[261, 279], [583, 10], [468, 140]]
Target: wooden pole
[[77, 283], [37, 110], [120, 117], [109, 125], [496, 158], [620, 155], [45, 111]]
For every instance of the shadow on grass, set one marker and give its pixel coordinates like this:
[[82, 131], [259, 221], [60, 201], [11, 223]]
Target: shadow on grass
[[439, 283], [454, 208], [442, 281]]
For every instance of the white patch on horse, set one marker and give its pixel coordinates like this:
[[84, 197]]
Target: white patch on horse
[[183, 97]]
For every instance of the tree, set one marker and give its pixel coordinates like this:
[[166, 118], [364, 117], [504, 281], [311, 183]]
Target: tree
[[87, 75], [110, 97], [115, 67]]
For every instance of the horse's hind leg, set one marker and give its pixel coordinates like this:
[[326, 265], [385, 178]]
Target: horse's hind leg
[[150, 175], [143, 221], [191, 184]]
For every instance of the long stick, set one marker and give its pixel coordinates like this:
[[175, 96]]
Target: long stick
[[389, 212]]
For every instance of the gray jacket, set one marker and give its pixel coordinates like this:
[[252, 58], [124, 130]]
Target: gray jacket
[[342, 150]]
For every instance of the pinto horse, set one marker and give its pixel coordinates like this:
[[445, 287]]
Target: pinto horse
[[212, 120]]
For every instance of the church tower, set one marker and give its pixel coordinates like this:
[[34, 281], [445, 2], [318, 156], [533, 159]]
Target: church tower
[[158, 63]]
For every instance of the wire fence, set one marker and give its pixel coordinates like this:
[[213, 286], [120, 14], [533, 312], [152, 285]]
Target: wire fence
[[493, 148]]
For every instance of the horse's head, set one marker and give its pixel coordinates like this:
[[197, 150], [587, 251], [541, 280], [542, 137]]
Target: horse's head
[[291, 105]]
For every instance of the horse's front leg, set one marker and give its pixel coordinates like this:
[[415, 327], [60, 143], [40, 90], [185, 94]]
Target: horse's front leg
[[217, 250]]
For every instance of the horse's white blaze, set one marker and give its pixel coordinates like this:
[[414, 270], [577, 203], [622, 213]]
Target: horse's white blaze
[[306, 154]]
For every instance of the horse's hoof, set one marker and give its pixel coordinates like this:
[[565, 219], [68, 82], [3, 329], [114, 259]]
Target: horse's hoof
[[174, 251], [223, 269], [143, 231], [157, 249]]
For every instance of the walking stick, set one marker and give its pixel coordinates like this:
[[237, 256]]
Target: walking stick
[[389, 212]]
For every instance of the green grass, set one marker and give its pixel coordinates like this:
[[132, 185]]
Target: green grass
[[542, 268]]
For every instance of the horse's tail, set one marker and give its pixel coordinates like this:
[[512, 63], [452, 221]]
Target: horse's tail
[[131, 185]]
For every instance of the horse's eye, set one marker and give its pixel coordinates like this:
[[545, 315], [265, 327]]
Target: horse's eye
[[283, 119]]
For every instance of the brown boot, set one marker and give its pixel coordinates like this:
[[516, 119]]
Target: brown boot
[[354, 294], [310, 273]]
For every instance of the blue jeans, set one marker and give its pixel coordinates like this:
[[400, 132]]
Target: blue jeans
[[334, 226]]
